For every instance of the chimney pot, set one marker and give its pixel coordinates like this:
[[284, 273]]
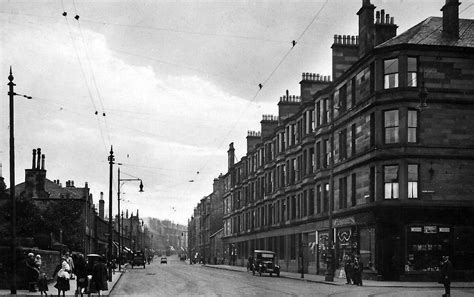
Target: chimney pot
[[38, 161], [42, 162], [382, 15], [377, 17], [34, 159], [387, 19], [392, 20]]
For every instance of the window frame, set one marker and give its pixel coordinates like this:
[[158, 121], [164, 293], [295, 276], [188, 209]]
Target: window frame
[[387, 74]]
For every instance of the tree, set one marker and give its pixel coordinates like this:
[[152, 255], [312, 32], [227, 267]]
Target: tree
[[66, 215]]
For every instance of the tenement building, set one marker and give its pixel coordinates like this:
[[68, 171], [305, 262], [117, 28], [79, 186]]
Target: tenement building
[[376, 162]]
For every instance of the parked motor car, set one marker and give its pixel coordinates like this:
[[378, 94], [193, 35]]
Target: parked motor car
[[138, 259], [164, 260], [265, 262]]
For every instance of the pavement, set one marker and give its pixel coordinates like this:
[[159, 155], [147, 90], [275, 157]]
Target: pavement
[[342, 281], [54, 292]]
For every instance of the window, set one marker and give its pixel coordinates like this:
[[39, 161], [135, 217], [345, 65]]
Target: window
[[318, 155], [412, 181], [411, 72], [327, 153], [353, 139], [342, 144], [353, 190], [343, 193], [325, 111], [412, 125], [326, 197], [318, 114], [390, 73], [343, 98], [318, 198], [311, 202], [391, 182], [391, 126]]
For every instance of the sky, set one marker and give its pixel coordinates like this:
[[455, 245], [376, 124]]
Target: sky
[[172, 82]]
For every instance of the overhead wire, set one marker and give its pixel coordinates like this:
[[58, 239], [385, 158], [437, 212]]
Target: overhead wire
[[83, 74], [261, 85], [86, 52]]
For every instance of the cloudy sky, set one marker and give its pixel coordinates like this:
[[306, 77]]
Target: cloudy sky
[[176, 80]]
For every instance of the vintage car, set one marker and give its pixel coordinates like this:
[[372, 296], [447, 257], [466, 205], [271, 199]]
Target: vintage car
[[138, 259], [164, 260], [265, 262]]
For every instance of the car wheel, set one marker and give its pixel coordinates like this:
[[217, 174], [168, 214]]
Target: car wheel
[[260, 272], [253, 271], [271, 274], [278, 273]]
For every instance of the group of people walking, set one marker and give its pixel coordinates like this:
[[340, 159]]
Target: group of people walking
[[91, 277], [353, 270]]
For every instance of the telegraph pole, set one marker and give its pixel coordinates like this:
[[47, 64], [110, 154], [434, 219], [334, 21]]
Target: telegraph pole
[[11, 93], [118, 219], [111, 163]]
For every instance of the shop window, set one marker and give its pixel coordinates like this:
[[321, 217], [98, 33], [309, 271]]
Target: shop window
[[367, 247], [323, 247], [281, 250], [292, 246], [391, 126], [391, 185], [412, 72], [412, 126], [412, 181], [426, 244], [390, 73]]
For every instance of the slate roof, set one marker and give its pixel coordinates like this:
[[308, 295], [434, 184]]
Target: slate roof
[[429, 32], [55, 191]]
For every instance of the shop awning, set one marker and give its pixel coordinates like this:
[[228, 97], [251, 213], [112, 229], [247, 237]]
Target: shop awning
[[127, 249]]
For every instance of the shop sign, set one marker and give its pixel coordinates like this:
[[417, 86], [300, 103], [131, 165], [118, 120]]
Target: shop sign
[[344, 236], [416, 229], [444, 229], [344, 222], [430, 229]]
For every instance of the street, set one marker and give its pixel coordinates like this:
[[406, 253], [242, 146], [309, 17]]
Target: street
[[178, 278]]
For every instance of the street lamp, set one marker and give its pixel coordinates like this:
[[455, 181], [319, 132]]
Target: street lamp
[[118, 206], [12, 93]]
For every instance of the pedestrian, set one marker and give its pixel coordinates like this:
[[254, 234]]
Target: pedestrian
[[70, 261], [80, 270], [43, 284], [250, 263], [32, 272], [348, 269], [63, 275], [446, 275], [99, 276], [357, 271]]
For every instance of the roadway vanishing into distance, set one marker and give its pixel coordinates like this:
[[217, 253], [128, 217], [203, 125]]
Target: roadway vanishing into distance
[[178, 278]]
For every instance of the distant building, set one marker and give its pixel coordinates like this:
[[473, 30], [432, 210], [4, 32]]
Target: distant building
[[383, 152]]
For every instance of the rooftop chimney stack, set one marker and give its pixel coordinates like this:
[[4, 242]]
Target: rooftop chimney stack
[[230, 155], [42, 161], [313, 82], [451, 19], [34, 159], [385, 28], [253, 139], [366, 27], [38, 151], [101, 205]]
